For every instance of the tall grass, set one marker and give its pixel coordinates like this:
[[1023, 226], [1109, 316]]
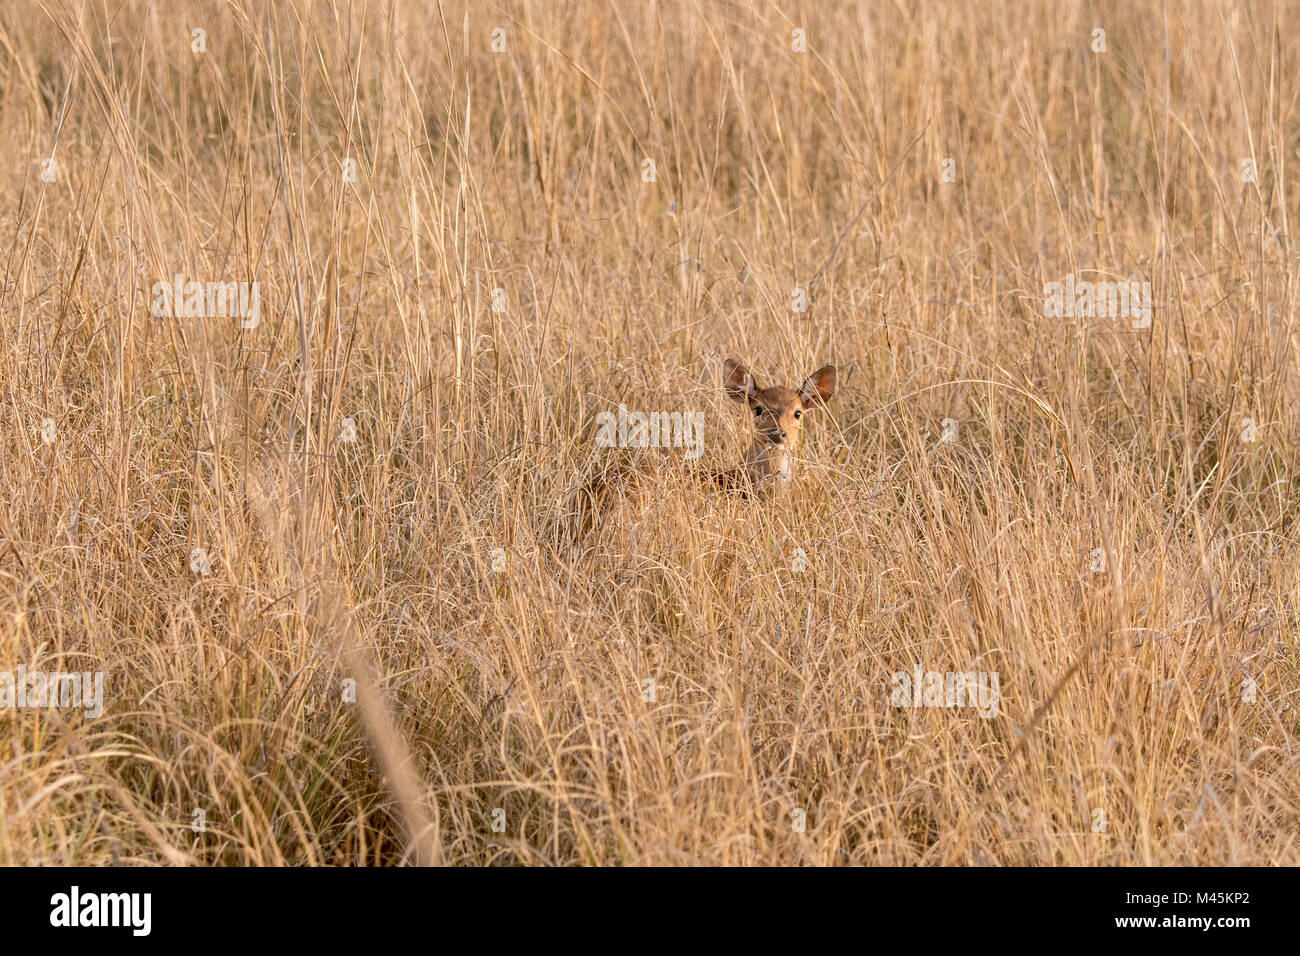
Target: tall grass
[[672, 690]]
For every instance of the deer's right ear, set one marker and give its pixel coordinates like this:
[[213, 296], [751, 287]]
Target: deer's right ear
[[740, 384]]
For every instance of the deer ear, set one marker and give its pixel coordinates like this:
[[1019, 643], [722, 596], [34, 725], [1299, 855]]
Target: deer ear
[[818, 387], [740, 384]]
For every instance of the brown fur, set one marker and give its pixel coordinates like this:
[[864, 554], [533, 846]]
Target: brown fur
[[777, 414]]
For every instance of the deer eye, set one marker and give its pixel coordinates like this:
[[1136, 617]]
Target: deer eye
[[758, 410], [798, 414]]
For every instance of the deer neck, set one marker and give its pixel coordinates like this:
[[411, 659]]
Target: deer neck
[[770, 464]]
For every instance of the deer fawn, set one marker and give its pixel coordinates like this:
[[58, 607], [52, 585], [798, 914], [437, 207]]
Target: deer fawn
[[777, 414]]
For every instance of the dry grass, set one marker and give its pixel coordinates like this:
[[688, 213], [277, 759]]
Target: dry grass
[[524, 689]]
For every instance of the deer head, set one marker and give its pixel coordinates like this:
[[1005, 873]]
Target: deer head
[[777, 414]]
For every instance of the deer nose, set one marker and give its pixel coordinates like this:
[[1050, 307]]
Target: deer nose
[[782, 434]]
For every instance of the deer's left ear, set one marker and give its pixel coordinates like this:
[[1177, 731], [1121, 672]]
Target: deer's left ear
[[818, 387]]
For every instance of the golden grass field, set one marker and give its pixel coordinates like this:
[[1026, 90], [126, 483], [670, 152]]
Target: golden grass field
[[372, 487]]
